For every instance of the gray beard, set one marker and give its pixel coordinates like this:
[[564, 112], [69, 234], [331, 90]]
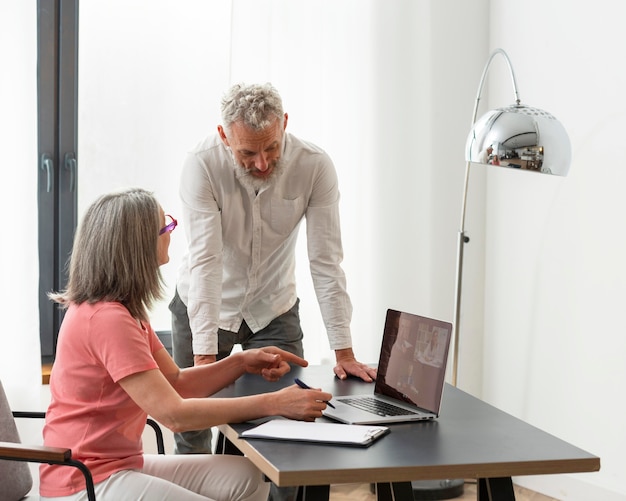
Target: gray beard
[[255, 183]]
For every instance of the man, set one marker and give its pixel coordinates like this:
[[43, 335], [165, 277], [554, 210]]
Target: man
[[245, 191], [485, 155]]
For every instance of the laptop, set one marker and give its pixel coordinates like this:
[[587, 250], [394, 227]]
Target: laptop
[[411, 374]]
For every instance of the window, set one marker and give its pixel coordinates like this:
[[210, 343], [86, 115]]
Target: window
[[120, 72], [57, 60]]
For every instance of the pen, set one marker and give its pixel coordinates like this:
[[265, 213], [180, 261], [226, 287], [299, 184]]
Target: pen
[[305, 386]]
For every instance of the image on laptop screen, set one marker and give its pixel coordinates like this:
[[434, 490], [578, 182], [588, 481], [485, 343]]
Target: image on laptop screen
[[413, 359]]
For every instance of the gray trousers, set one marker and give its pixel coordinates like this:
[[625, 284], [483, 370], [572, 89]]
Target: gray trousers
[[284, 332]]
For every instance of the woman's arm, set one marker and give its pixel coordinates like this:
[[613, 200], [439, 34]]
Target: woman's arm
[[198, 381], [155, 395], [204, 380]]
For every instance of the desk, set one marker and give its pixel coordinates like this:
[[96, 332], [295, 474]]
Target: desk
[[470, 439]]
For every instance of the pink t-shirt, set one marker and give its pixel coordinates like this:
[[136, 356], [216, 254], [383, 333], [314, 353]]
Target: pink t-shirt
[[98, 345]]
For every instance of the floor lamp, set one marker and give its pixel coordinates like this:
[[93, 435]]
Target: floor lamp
[[516, 136], [519, 137]]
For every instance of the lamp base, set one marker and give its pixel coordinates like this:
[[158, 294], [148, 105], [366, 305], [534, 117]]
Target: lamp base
[[430, 490]]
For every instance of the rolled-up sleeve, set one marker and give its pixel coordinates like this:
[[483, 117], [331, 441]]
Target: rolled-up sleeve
[[325, 253], [202, 223]]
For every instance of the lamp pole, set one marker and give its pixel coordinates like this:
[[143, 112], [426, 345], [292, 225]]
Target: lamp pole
[[463, 238], [531, 139]]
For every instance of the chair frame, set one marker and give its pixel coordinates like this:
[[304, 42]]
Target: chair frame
[[60, 455]]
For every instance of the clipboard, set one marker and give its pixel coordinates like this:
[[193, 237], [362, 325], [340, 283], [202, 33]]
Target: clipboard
[[320, 432]]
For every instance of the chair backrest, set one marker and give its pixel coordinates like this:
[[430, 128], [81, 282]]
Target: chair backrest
[[16, 478]]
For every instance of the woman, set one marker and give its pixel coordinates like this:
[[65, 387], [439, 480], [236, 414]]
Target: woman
[[111, 371]]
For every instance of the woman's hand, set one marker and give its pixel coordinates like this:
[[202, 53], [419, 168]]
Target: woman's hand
[[270, 362], [294, 402]]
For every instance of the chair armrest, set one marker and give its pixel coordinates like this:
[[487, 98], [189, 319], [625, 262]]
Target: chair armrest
[[34, 453], [58, 455], [50, 455], [29, 414], [150, 422], [159, 435]]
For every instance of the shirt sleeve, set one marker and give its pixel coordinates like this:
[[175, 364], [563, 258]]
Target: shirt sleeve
[[203, 230], [325, 253], [120, 344]]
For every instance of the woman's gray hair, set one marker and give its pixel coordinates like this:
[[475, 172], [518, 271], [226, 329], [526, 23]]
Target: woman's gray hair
[[115, 255], [257, 106]]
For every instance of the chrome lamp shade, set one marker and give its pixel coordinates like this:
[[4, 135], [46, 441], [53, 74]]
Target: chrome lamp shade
[[520, 137]]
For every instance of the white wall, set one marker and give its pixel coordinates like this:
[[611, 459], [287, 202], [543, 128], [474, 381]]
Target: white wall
[[388, 89], [357, 78], [556, 278]]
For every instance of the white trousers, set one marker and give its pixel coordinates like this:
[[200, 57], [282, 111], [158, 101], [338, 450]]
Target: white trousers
[[182, 477]]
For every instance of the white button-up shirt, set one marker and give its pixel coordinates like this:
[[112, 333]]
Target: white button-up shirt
[[240, 263]]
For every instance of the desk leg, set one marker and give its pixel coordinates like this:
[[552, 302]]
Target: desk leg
[[397, 491], [313, 493], [496, 489], [225, 446]]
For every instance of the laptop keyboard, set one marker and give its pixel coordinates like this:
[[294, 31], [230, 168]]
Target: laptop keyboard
[[376, 406]]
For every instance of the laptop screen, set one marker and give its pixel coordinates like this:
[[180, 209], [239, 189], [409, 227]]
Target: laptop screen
[[413, 356]]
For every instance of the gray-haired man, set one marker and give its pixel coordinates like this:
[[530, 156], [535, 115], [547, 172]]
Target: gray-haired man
[[245, 191]]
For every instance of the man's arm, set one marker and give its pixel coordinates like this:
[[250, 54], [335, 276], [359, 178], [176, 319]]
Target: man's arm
[[201, 220], [325, 256]]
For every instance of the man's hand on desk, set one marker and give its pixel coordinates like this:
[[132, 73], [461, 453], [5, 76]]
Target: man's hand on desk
[[348, 365]]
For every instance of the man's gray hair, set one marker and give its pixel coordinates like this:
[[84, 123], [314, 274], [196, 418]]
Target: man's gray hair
[[257, 106]]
